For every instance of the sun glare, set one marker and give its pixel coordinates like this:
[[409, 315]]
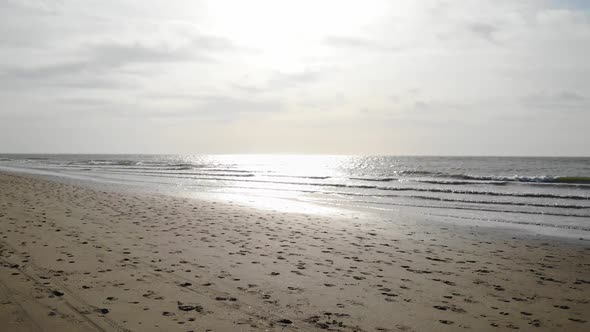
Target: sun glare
[[281, 32]]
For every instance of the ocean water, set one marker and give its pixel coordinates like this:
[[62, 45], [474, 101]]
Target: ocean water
[[544, 193]]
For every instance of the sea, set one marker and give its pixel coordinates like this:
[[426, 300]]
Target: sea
[[538, 194]]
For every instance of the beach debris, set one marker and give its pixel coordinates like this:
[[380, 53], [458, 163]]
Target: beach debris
[[189, 307]]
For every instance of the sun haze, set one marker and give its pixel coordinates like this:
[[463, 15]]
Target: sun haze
[[351, 77]]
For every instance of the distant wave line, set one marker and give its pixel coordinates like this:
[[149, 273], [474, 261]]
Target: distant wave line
[[436, 190]]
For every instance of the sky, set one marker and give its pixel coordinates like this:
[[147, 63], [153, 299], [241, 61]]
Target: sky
[[407, 77]]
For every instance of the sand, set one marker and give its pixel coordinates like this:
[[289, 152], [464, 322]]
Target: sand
[[80, 259]]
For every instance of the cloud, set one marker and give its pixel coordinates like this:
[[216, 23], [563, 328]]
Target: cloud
[[361, 43], [92, 64], [218, 107], [284, 80], [485, 31], [247, 88], [278, 81], [43, 7], [558, 101], [572, 4], [225, 106], [117, 54], [48, 71], [84, 102], [121, 54]]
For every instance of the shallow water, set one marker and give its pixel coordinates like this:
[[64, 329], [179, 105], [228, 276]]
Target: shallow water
[[552, 193]]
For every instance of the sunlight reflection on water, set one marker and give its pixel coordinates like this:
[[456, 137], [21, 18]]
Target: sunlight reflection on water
[[270, 201]]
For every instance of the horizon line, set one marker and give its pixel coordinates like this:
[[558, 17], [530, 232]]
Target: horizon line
[[292, 154]]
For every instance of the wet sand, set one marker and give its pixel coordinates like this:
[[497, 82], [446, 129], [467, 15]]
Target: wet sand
[[79, 259]]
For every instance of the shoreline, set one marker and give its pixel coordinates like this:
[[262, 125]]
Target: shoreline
[[501, 229], [156, 262]]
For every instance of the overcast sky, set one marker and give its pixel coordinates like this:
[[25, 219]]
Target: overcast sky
[[478, 77]]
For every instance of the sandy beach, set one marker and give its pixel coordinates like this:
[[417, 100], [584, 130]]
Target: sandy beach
[[79, 259]]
